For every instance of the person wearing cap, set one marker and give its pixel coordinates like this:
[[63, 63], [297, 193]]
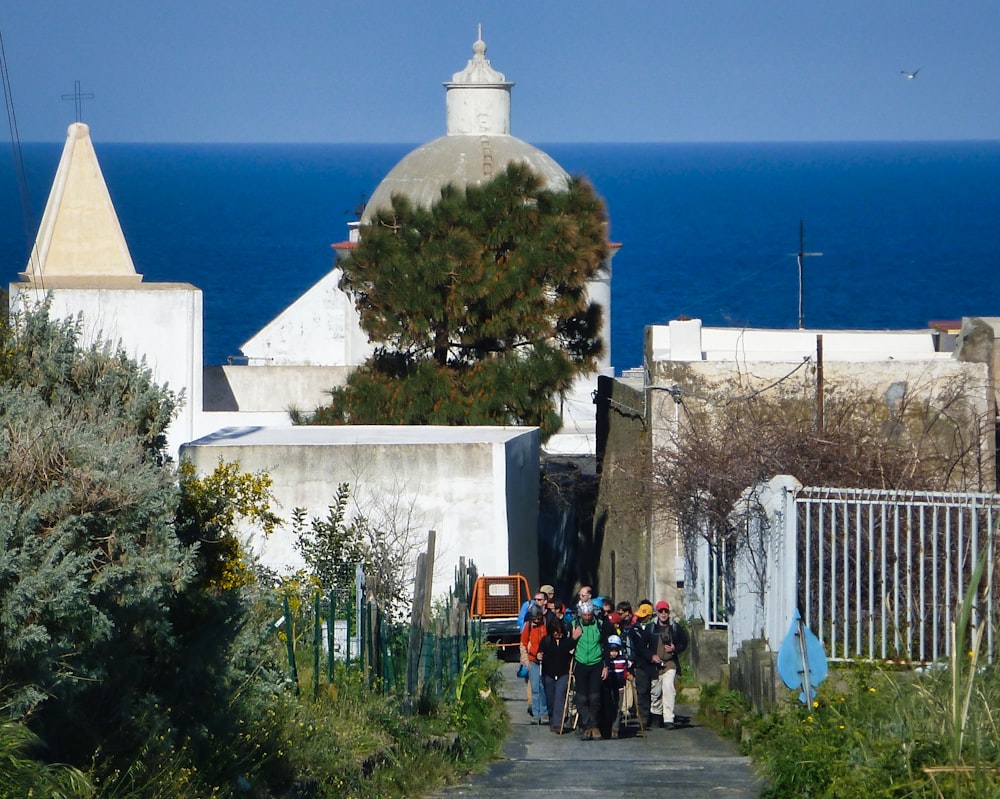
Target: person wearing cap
[[540, 597], [547, 606], [614, 685], [646, 671], [592, 663], [667, 640]]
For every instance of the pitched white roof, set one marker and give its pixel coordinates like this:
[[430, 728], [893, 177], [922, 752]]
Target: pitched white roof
[[80, 241]]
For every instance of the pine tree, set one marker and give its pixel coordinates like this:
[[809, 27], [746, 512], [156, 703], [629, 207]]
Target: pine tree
[[479, 305]]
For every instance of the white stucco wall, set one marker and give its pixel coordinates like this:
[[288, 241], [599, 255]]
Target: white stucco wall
[[257, 389], [486, 110], [476, 486], [321, 328], [161, 322]]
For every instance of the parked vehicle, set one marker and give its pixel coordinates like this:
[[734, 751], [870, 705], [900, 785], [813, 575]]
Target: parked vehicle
[[496, 604]]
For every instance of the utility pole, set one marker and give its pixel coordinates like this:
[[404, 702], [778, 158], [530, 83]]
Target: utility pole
[[819, 384], [802, 255]]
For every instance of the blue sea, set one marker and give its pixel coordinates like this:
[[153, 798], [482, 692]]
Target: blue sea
[[910, 232]]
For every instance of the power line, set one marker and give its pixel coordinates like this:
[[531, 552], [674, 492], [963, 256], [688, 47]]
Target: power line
[[18, 158]]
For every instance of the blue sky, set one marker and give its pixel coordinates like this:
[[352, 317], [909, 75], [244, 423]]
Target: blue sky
[[371, 71]]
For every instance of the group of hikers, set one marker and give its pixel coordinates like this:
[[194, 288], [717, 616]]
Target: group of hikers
[[615, 657]]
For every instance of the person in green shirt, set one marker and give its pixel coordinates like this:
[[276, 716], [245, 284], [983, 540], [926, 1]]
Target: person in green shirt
[[592, 663]]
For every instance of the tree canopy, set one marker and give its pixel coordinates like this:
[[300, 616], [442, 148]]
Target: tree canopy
[[479, 305]]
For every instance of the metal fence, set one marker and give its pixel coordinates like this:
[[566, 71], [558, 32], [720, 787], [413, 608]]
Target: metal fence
[[876, 575], [328, 636], [881, 576]]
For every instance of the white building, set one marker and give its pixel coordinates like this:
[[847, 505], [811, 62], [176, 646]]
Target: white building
[[81, 259], [477, 487]]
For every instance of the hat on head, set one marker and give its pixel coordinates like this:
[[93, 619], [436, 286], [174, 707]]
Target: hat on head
[[663, 605], [535, 612], [644, 611], [615, 641], [584, 608], [547, 589]]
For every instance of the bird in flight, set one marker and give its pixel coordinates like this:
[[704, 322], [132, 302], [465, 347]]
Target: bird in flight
[[910, 75]]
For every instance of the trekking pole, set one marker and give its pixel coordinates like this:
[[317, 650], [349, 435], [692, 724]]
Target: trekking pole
[[569, 687], [638, 713]]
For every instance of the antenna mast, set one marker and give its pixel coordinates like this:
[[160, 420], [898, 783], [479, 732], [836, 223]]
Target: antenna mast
[[802, 255]]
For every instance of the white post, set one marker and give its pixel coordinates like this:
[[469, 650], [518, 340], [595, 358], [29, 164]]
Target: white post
[[781, 598]]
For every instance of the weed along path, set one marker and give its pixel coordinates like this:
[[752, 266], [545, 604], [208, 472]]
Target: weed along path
[[690, 762]]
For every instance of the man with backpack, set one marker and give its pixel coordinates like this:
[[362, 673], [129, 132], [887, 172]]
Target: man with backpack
[[667, 639]]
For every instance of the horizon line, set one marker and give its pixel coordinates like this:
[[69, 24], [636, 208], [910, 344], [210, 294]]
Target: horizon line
[[540, 143]]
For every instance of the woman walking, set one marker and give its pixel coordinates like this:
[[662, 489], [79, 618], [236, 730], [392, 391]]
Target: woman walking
[[555, 653]]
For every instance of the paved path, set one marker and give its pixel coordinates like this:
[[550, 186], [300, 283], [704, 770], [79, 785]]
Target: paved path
[[687, 763]]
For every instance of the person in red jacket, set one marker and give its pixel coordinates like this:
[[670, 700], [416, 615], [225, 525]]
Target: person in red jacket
[[531, 636]]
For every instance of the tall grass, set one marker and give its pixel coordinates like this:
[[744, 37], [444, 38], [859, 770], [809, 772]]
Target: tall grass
[[22, 774], [879, 732], [350, 741]]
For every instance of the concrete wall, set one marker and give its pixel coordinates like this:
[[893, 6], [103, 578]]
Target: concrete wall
[[271, 388], [160, 322], [688, 340], [708, 652], [476, 486]]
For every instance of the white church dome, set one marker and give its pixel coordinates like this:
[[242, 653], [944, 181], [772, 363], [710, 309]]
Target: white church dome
[[463, 161], [477, 146]]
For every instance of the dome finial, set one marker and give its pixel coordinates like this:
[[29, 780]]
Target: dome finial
[[479, 46], [478, 70]]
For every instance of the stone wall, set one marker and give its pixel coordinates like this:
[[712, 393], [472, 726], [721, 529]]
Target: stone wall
[[754, 673], [621, 546], [707, 652]]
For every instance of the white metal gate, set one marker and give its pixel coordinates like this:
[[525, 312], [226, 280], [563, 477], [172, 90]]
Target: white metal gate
[[875, 574], [881, 574]]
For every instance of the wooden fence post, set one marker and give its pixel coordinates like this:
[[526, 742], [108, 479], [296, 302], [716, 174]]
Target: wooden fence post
[[419, 617]]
